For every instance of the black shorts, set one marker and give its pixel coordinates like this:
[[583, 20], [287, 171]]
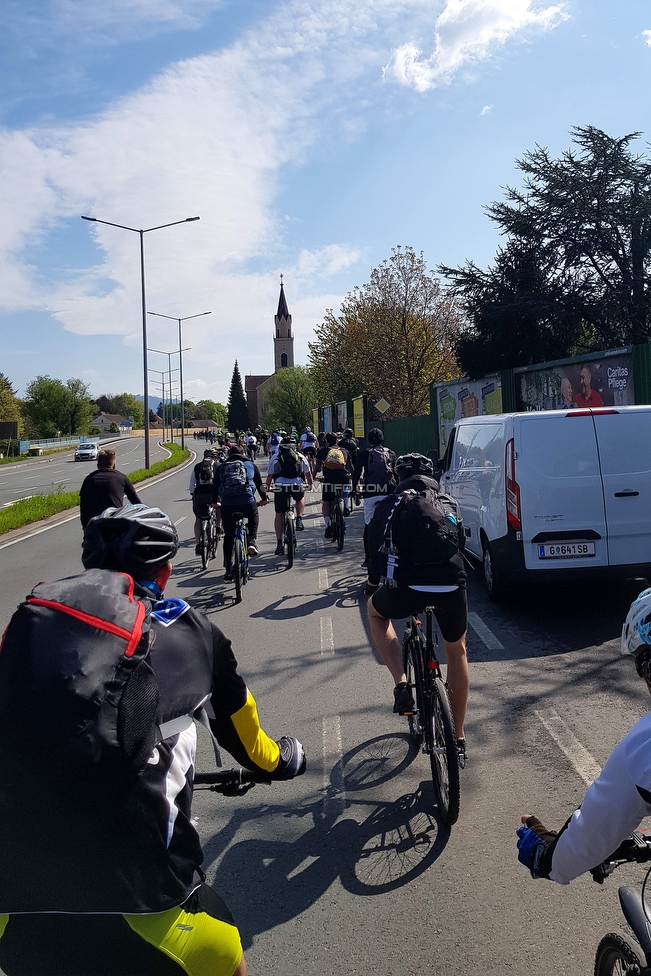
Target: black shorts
[[450, 609], [200, 934], [283, 493], [201, 505], [330, 489]]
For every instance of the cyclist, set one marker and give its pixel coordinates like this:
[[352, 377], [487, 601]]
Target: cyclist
[[618, 800], [122, 892], [308, 446], [251, 444], [350, 444], [373, 477], [201, 486], [274, 442], [289, 470], [337, 469], [425, 579], [237, 481]]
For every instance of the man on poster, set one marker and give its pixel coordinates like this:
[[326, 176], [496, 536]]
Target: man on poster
[[587, 397]]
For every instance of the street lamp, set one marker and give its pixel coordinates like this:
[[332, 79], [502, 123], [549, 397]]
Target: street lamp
[[169, 355], [161, 373], [174, 318], [142, 233]]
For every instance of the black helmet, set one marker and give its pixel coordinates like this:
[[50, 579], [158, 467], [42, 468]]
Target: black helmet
[[409, 464], [348, 432], [375, 436], [135, 539]]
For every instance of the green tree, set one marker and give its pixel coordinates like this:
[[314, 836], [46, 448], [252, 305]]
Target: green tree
[[9, 402], [290, 402], [126, 405], [586, 218], [210, 410], [237, 410], [56, 408], [394, 336]]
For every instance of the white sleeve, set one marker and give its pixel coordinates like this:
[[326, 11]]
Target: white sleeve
[[193, 482], [611, 809]]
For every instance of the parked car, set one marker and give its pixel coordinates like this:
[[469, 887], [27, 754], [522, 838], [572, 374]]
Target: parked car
[[87, 452], [554, 495]]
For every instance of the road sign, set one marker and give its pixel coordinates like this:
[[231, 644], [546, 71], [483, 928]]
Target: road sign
[[382, 405]]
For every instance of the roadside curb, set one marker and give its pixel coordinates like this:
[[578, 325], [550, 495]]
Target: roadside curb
[[13, 536]]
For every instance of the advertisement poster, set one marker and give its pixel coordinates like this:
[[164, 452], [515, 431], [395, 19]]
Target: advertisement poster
[[342, 415], [315, 421], [358, 417], [327, 418], [464, 398], [604, 381]]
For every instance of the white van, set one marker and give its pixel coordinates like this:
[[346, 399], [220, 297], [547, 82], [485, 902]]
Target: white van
[[554, 495]]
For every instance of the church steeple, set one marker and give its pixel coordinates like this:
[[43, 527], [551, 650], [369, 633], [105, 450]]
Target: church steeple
[[283, 339]]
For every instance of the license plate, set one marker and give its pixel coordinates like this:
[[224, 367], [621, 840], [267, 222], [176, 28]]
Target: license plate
[[565, 550]]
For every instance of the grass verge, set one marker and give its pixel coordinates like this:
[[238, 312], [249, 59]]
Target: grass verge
[[41, 506]]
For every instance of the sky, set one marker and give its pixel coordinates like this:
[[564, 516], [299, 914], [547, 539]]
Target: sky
[[310, 136]]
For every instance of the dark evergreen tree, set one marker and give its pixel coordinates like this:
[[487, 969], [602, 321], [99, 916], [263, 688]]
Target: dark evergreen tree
[[238, 412]]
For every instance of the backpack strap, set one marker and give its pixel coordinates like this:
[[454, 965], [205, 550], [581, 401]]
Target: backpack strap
[[183, 722], [387, 546]]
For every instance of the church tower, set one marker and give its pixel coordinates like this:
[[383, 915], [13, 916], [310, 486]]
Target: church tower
[[283, 339]]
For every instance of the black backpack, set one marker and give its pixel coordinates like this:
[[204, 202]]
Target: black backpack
[[234, 479], [379, 470], [290, 466], [78, 696], [422, 533], [206, 474]]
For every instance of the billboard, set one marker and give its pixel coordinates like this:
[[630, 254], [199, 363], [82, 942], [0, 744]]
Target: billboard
[[342, 415], [466, 398], [327, 418], [594, 381], [358, 417], [9, 430]]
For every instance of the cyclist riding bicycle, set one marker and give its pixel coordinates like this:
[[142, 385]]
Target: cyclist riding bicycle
[[289, 470], [102, 880], [618, 800], [274, 442], [337, 469], [201, 488], [350, 443], [237, 481], [374, 478], [416, 543]]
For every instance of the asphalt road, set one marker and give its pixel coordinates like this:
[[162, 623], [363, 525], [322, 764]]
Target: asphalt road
[[62, 472], [345, 870]]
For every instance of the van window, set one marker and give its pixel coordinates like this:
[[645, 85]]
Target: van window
[[624, 443], [486, 447], [447, 457], [559, 447], [463, 446]]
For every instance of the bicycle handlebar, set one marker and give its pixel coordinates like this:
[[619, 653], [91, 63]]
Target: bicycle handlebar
[[231, 782], [635, 849]]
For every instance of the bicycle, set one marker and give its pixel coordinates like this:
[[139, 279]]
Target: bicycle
[[240, 556], [209, 538], [231, 782], [337, 517], [431, 724], [289, 531]]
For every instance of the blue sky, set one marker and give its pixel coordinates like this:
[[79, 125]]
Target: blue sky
[[310, 136]]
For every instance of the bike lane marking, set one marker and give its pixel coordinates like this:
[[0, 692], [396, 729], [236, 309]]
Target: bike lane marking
[[334, 792], [586, 765], [484, 634], [327, 636], [323, 579]]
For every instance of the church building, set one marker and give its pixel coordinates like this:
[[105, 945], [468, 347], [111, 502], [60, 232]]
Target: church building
[[256, 387]]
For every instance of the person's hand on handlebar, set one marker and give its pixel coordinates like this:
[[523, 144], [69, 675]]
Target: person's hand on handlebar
[[534, 840], [292, 759]]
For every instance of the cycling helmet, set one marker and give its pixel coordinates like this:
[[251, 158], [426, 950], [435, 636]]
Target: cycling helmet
[[375, 436], [308, 430], [636, 633], [135, 539], [348, 432], [409, 464], [208, 453]]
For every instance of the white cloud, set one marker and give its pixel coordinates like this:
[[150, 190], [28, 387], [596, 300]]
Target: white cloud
[[468, 31], [486, 110], [646, 34], [213, 136]]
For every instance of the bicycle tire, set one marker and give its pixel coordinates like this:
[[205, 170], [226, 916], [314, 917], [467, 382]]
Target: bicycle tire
[[617, 955], [237, 569], [340, 522], [203, 544], [443, 754], [245, 556], [290, 541], [412, 667]]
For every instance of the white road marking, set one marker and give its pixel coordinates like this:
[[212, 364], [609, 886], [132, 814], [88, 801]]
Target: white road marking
[[586, 765], [482, 631], [327, 636], [323, 579], [178, 521], [334, 792]]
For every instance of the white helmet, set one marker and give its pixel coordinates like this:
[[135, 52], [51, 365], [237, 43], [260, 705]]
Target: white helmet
[[636, 632]]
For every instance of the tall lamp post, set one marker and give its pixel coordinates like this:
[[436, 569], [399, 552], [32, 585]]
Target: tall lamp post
[[169, 355], [142, 233], [161, 373], [174, 318]]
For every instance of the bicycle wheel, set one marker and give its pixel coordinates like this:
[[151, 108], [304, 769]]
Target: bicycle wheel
[[618, 956], [245, 556], [340, 523], [290, 540], [204, 544], [413, 668], [237, 569], [443, 753]]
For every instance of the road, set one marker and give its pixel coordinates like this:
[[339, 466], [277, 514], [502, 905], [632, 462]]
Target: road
[[62, 472], [345, 870]]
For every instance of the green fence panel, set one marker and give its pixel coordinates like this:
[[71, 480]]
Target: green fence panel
[[642, 372], [509, 404], [408, 434]]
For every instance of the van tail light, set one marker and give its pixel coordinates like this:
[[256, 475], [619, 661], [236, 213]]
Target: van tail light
[[512, 489], [595, 411]]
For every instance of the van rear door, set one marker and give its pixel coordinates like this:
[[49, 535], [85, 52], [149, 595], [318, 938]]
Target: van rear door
[[561, 497], [624, 441]]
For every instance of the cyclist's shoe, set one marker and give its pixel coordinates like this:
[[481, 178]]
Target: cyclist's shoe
[[346, 512], [299, 524], [197, 550], [228, 576], [280, 549], [219, 532], [403, 699], [328, 532], [364, 565], [370, 588], [253, 549], [461, 753]]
